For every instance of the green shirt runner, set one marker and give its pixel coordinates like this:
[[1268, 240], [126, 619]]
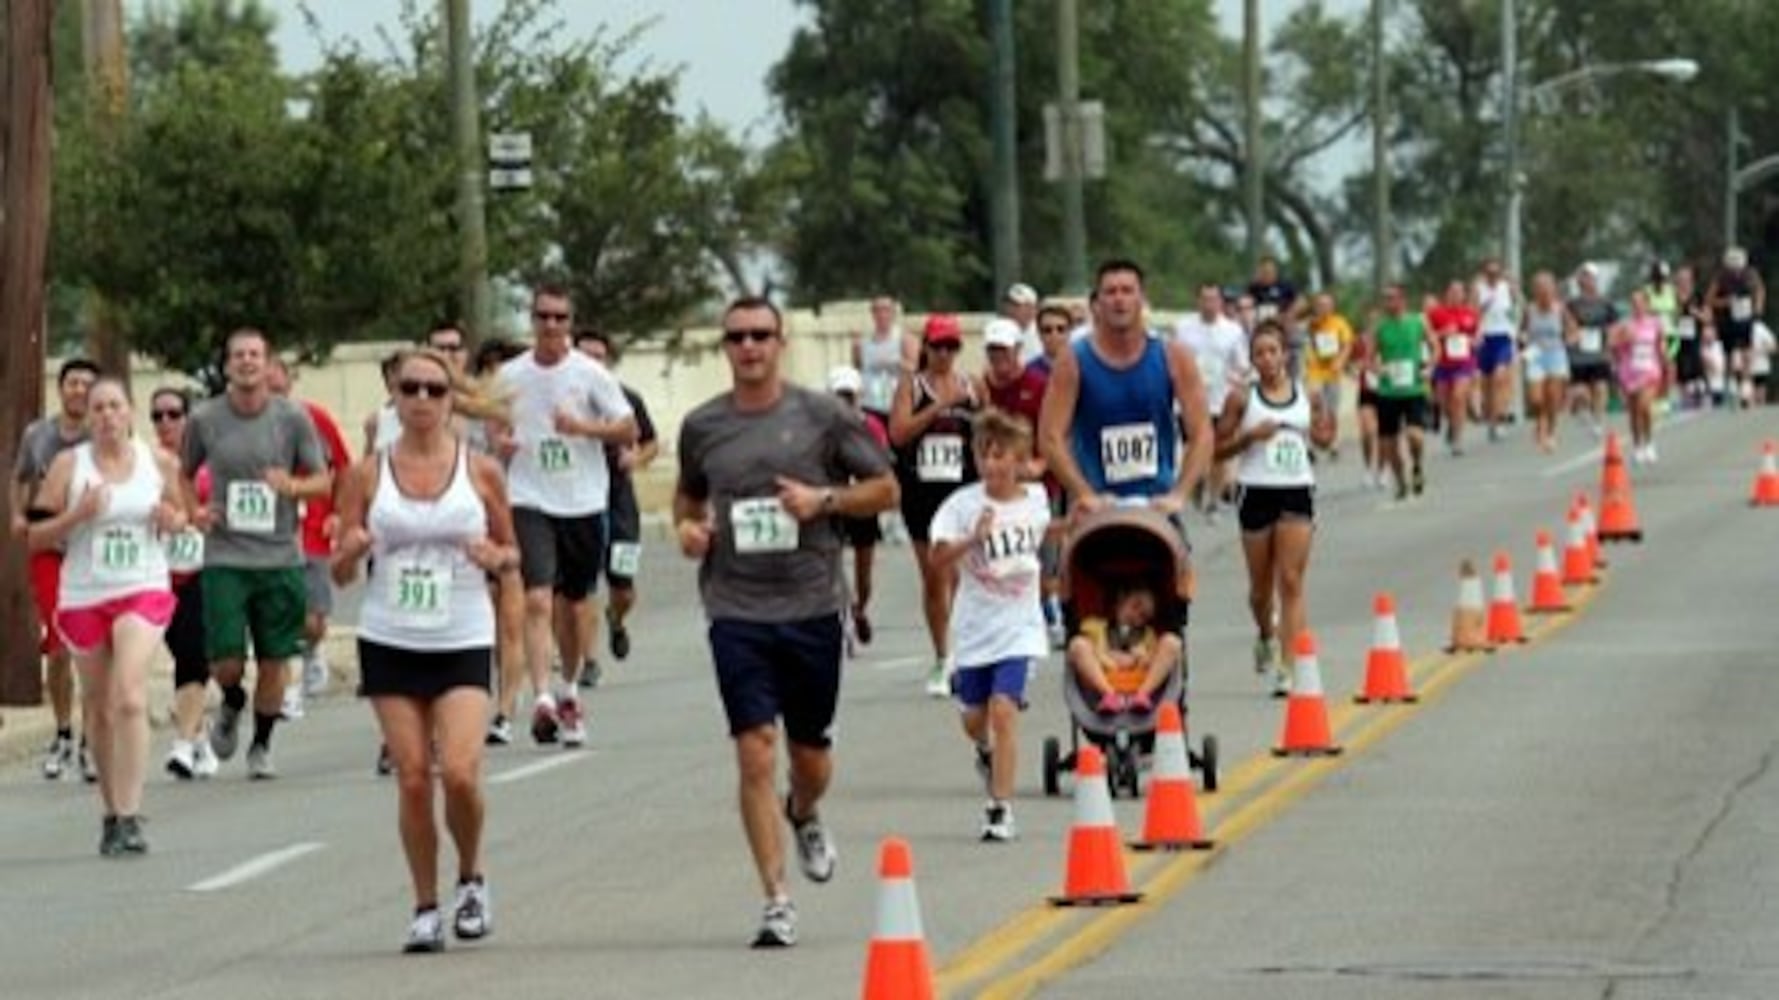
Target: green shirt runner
[[1399, 341]]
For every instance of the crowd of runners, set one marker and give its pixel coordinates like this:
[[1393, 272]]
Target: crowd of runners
[[494, 493]]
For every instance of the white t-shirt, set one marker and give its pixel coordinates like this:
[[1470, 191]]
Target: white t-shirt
[[560, 475], [1221, 351], [997, 615], [1494, 305], [1031, 345]]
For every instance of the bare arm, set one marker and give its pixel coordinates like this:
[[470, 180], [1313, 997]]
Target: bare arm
[[354, 540], [1230, 440], [1189, 395], [48, 534], [903, 423], [1054, 423], [497, 553]]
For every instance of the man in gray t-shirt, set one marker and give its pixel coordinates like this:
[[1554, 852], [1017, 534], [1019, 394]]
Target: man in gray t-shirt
[[256, 445], [765, 470]]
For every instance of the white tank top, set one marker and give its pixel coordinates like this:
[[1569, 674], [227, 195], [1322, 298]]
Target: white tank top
[[880, 368], [424, 593], [1284, 459], [118, 553]]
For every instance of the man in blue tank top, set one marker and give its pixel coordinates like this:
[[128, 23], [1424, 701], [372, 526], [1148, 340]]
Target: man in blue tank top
[[1116, 397]]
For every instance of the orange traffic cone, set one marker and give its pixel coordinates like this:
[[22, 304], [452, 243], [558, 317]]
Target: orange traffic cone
[[1170, 818], [1766, 484], [1578, 566], [896, 966], [1547, 584], [1613, 475], [1592, 524], [1095, 872], [1469, 619], [1504, 607], [1386, 672], [1618, 518], [1307, 733]]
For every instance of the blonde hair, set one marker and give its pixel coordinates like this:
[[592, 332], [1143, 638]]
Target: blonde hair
[[470, 397]]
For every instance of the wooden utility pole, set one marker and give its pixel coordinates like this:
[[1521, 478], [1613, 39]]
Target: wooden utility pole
[[107, 87], [25, 120], [472, 167]]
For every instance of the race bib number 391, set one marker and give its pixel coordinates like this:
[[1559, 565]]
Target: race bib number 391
[[1128, 453], [420, 588]]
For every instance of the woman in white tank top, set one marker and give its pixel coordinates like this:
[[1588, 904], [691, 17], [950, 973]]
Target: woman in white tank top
[[435, 516], [115, 501], [1270, 429]]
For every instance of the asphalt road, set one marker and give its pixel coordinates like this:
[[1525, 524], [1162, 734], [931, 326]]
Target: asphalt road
[[1583, 817]]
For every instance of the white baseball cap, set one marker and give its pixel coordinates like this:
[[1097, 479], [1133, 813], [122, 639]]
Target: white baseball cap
[[1001, 332], [845, 378], [1022, 294]]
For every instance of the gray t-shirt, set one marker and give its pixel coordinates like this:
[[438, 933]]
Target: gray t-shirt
[[1594, 318], [38, 448], [255, 527], [763, 566]]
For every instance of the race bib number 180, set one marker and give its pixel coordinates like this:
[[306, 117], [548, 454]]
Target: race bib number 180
[[118, 552], [1128, 453]]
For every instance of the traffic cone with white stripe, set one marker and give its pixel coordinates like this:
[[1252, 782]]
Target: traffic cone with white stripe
[[1504, 606], [1766, 484], [1095, 871], [1578, 565], [1307, 733], [1592, 524], [1470, 632], [1170, 817], [896, 966], [1386, 671], [1547, 584]]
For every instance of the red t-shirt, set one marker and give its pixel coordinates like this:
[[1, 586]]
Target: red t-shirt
[[1455, 327], [1023, 396], [316, 511]]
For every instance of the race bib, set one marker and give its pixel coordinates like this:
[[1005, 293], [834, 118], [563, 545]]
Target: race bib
[[940, 459], [1128, 453], [1011, 550], [1644, 356], [1399, 374], [252, 507], [1457, 347], [1327, 345], [1285, 454], [420, 587], [1687, 328], [1591, 340], [119, 552], [762, 525], [185, 551], [626, 558], [1265, 311], [1742, 308], [554, 457]]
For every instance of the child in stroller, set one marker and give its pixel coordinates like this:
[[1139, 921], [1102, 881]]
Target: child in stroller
[[1123, 661]]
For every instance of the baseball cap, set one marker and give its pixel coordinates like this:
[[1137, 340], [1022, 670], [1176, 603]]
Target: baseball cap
[[943, 327], [1735, 257], [1022, 294], [1001, 333], [1588, 270], [845, 378]]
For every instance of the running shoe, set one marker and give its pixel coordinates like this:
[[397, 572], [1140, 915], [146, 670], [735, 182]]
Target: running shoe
[[997, 823], [1263, 655], [544, 727], [617, 636], [315, 674], [58, 757], [815, 849], [108, 842], [182, 760], [89, 768], [473, 915], [1058, 634], [292, 709], [385, 763], [778, 925], [500, 732], [1420, 481], [129, 836], [590, 674], [939, 680], [1650, 453], [1140, 702], [259, 763], [225, 735], [861, 625], [205, 764], [426, 933], [573, 723], [1281, 681]]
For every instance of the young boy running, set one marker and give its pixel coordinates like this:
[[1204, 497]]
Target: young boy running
[[994, 529]]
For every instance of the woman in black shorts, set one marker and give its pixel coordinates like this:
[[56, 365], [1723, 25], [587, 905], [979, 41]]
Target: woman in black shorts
[[930, 428]]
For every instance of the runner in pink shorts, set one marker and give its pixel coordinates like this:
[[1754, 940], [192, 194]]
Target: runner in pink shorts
[[1637, 356], [112, 502]]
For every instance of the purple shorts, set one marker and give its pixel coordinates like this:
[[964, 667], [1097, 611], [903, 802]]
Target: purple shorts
[[1444, 374], [973, 686]]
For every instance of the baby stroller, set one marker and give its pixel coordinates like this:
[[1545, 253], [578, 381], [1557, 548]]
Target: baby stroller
[[1109, 551]]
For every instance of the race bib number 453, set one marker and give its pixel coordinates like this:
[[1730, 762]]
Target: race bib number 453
[[252, 507], [1128, 453]]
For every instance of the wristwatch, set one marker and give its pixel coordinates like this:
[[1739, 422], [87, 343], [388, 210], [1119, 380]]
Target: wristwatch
[[830, 500]]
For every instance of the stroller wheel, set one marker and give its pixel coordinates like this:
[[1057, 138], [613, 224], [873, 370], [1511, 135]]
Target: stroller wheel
[[1207, 762], [1052, 766]]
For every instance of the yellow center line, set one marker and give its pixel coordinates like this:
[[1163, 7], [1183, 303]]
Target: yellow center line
[[1359, 726]]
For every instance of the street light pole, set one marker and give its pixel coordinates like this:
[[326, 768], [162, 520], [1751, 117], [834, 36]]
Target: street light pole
[[1004, 188], [1074, 202], [1510, 126], [1733, 139]]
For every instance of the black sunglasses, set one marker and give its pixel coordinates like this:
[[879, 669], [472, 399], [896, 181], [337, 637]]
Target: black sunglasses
[[1054, 328], [457, 348], [413, 387], [547, 317], [166, 416], [758, 335], [945, 345]]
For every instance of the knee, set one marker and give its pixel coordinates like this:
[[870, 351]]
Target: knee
[[539, 604], [1291, 582], [413, 780], [1002, 713], [127, 706], [461, 780], [755, 753]]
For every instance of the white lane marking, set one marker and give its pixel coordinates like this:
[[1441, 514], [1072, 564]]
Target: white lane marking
[[537, 767], [1594, 455], [897, 663], [255, 867]]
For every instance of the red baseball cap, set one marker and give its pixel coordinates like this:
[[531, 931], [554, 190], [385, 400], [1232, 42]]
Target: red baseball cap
[[942, 327]]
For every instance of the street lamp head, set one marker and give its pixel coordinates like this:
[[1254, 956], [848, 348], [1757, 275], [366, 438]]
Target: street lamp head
[[1674, 69]]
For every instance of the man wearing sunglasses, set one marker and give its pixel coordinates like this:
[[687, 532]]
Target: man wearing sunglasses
[[766, 471], [566, 409], [264, 458]]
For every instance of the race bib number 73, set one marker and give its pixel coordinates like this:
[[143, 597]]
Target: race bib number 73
[[762, 525]]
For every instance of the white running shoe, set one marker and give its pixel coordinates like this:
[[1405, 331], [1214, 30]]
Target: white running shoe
[[1649, 453], [182, 760], [426, 933], [939, 679], [997, 823], [293, 703], [778, 925], [815, 849], [315, 674], [573, 723], [205, 764], [259, 763], [473, 915]]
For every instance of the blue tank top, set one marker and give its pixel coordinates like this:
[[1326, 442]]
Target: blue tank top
[[1124, 423]]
